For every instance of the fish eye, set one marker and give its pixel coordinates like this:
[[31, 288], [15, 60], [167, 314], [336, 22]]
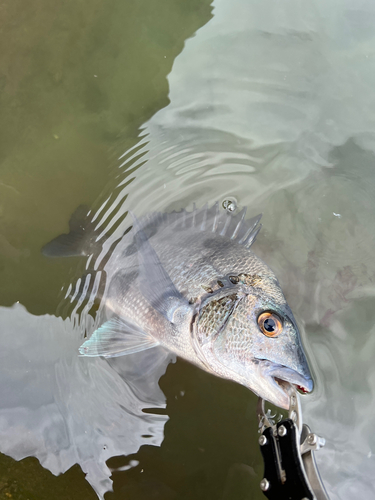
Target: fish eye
[[270, 324]]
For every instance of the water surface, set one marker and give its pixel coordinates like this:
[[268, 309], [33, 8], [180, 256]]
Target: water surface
[[148, 106]]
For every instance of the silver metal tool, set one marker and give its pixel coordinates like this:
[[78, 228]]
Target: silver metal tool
[[287, 446]]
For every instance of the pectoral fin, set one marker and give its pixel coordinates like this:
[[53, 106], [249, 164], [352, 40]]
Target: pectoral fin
[[117, 337], [154, 282]]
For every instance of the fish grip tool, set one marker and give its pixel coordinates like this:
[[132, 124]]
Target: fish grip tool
[[287, 447]]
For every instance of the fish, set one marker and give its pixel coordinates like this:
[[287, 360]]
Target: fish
[[188, 282]]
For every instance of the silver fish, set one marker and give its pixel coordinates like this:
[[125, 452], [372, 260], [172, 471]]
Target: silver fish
[[189, 282]]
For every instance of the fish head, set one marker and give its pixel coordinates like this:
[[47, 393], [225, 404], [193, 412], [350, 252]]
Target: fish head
[[248, 334]]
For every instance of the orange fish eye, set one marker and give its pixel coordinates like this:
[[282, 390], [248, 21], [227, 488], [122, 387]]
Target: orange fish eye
[[270, 324]]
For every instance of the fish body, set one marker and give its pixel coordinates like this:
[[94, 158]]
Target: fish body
[[188, 281]]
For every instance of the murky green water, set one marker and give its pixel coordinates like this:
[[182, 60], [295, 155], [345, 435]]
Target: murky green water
[[148, 105]]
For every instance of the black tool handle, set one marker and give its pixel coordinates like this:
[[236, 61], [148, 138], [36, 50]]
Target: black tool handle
[[284, 474]]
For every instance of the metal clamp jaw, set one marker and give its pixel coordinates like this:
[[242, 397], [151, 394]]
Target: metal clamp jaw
[[290, 471]]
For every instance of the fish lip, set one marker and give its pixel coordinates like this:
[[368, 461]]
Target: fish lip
[[291, 376], [274, 372]]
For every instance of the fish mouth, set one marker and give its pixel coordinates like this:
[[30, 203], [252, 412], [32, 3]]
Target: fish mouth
[[275, 375]]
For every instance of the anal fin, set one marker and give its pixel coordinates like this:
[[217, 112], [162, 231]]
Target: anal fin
[[117, 337]]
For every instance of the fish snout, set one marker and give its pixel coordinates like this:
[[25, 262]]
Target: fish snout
[[275, 392], [302, 381]]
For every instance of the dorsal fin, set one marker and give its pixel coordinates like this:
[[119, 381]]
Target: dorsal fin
[[205, 219]]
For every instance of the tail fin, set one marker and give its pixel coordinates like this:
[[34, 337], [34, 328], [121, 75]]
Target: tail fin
[[77, 241]]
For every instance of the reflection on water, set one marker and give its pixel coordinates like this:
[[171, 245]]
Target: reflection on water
[[65, 409], [270, 103]]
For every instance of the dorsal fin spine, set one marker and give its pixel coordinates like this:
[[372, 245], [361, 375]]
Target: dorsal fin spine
[[204, 219], [226, 225], [253, 236], [193, 218], [235, 232], [249, 231], [183, 218], [217, 217]]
